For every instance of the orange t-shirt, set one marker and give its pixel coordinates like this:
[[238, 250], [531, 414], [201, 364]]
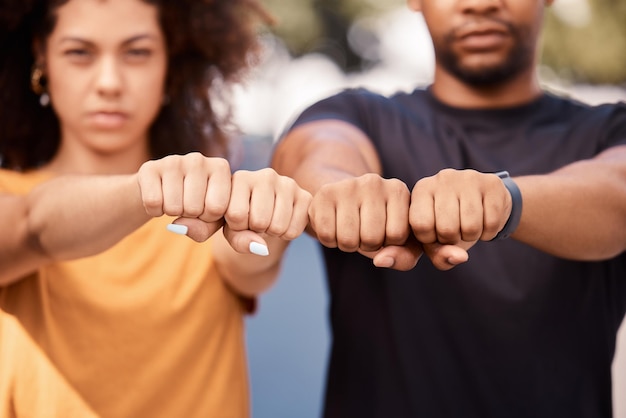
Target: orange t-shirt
[[145, 329]]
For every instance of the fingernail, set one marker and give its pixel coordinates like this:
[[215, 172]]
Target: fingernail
[[456, 261], [258, 249], [385, 262], [178, 229]]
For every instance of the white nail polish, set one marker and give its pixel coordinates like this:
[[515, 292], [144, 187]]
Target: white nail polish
[[258, 249], [177, 229]]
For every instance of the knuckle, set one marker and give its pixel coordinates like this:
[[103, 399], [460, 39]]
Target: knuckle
[[370, 242], [153, 208], [147, 166], [447, 234], [241, 175], [215, 209], [370, 180], [217, 163], [327, 192], [171, 161], [193, 211], [194, 158], [348, 244], [471, 232], [499, 205], [197, 156], [289, 185], [470, 173], [268, 173], [492, 225], [397, 236], [399, 189], [173, 209], [236, 217], [292, 232], [275, 229], [152, 202], [327, 240], [258, 224], [495, 180], [424, 185], [473, 228], [420, 226], [305, 196], [446, 173]]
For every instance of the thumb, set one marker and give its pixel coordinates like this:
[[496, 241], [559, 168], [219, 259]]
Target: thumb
[[397, 257], [194, 228], [445, 256], [246, 241]]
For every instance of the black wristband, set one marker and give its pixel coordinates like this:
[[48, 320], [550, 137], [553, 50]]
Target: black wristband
[[516, 206]]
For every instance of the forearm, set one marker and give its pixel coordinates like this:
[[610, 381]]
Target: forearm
[[579, 211], [66, 218], [18, 254], [323, 152], [77, 216], [248, 274]]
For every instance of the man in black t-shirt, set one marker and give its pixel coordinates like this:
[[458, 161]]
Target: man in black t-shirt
[[483, 325]]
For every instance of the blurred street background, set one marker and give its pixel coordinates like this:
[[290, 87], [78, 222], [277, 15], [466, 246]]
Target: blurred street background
[[317, 48]]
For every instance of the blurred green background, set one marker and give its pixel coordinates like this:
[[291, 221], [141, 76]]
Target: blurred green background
[[584, 40]]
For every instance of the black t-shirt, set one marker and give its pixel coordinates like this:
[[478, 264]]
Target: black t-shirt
[[512, 333]]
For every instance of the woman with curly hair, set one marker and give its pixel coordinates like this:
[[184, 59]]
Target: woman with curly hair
[[108, 139]]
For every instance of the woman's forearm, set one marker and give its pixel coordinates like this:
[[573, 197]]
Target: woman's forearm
[[66, 218], [77, 216]]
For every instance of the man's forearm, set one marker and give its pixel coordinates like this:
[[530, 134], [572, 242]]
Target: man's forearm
[[323, 152], [579, 211]]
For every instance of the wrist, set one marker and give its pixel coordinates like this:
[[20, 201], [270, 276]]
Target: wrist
[[516, 206]]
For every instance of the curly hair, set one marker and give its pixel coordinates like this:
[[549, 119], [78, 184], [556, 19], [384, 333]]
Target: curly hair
[[210, 43]]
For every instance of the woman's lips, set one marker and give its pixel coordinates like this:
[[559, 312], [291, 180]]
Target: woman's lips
[[108, 120]]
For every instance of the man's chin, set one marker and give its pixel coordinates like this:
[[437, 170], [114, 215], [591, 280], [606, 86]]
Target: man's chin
[[485, 74], [486, 70], [487, 77]]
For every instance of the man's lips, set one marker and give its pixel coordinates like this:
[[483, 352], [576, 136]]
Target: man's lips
[[482, 36], [483, 41]]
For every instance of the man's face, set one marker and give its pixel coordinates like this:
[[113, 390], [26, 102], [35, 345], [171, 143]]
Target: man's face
[[483, 42]]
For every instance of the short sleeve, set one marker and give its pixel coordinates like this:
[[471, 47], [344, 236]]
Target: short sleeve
[[615, 125], [349, 106]]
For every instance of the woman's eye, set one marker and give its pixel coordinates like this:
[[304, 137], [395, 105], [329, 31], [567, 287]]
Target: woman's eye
[[79, 55], [138, 53], [77, 52]]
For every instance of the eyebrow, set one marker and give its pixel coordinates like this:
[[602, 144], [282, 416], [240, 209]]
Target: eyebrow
[[126, 42]]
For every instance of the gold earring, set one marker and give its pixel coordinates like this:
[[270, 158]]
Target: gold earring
[[35, 81]]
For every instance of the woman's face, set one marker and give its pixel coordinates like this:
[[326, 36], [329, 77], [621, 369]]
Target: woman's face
[[105, 64]]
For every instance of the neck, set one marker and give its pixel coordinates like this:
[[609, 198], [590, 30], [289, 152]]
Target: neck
[[520, 90]]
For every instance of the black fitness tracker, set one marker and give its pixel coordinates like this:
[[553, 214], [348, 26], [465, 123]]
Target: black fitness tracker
[[516, 207]]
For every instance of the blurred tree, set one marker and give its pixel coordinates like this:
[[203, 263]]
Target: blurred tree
[[584, 40], [322, 26], [297, 25], [591, 50]]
